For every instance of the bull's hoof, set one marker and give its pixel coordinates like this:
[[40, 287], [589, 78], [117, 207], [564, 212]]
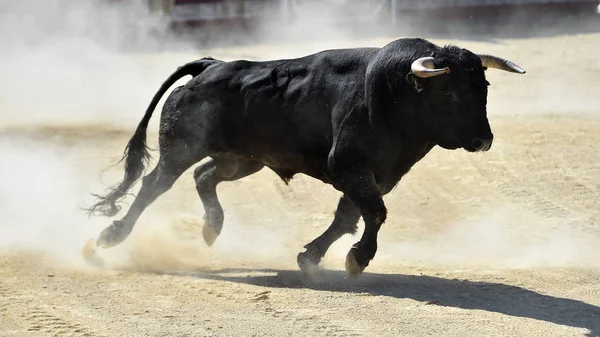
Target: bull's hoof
[[113, 235], [353, 268], [209, 234], [308, 266], [89, 255]]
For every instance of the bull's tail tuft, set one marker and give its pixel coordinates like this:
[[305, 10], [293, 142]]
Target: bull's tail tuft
[[136, 154]]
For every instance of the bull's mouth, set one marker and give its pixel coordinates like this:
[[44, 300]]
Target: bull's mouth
[[471, 149], [478, 145]]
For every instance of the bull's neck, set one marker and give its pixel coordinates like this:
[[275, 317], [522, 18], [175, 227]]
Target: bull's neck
[[405, 142], [411, 122]]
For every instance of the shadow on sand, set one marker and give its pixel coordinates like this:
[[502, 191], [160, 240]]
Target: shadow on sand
[[492, 297]]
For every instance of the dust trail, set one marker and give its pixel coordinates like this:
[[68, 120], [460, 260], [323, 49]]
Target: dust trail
[[174, 244]]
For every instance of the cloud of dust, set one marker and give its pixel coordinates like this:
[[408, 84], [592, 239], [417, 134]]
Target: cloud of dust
[[175, 244], [505, 239], [81, 62], [68, 62], [39, 189], [330, 23]]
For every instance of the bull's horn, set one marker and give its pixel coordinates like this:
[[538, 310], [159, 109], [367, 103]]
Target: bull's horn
[[424, 68], [491, 61]]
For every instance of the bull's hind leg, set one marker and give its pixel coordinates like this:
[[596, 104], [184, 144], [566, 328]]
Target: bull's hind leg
[[207, 177], [344, 222], [160, 180]]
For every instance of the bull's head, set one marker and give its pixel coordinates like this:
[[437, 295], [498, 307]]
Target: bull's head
[[453, 86]]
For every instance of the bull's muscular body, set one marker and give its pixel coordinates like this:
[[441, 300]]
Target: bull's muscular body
[[284, 114], [358, 119]]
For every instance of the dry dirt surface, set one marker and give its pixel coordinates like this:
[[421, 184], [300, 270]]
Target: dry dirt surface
[[497, 244]]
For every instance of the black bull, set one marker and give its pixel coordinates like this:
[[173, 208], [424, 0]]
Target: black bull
[[357, 119]]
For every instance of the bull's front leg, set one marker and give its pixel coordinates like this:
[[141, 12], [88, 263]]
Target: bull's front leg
[[344, 222], [360, 186]]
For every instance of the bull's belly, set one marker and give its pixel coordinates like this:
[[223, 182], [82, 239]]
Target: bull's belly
[[291, 161]]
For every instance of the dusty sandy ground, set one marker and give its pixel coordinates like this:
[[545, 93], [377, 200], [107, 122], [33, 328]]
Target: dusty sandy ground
[[497, 244]]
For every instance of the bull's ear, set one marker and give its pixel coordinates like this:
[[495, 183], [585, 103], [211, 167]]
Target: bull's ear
[[415, 81]]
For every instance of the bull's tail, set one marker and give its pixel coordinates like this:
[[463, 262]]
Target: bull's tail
[[136, 153]]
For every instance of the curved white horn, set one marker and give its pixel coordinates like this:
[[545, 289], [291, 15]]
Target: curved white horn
[[491, 61], [424, 68]]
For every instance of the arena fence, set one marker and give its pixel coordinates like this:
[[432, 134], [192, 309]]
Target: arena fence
[[342, 10]]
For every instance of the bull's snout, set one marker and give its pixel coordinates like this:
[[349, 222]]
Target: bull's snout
[[481, 144]]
